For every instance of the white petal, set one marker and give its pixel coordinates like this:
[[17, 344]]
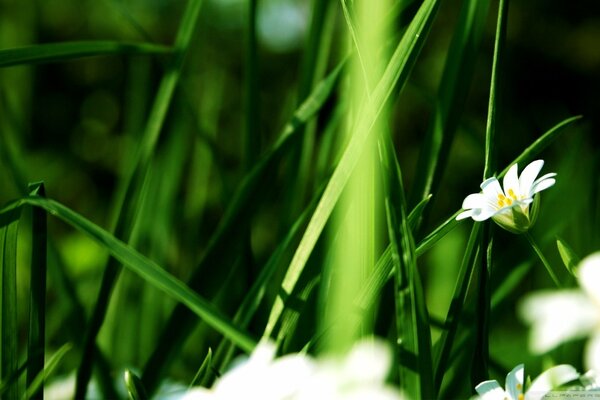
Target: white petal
[[490, 390], [369, 361], [199, 393], [529, 174], [557, 317], [546, 176], [464, 214], [514, 381], [511, 180], [491, 189], [475, 200], [550, 379], [481, 214], [542, 185], [592, 353], [588, 275]]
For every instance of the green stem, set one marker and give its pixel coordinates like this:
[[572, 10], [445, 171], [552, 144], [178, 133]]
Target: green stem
[[543, 259]]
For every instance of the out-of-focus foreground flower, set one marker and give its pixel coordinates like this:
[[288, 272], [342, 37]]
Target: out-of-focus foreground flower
[[512, 207], [360, 375], [559, 316], [515, 390]]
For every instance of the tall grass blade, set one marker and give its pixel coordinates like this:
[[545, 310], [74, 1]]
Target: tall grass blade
[[568, 256], [9, 226], [243, 201], [54, 52], [394, 77], [36, 347], [452, 96], [35, 388], [134, 386], [446, 341], [412, 319], [132, 188]]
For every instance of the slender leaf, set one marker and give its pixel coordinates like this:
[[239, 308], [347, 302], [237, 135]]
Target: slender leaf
[[35, 388], [133, 188], [53, 52], [36, 347], [9, 225], [568, 256], [134, 386], [394, 77]]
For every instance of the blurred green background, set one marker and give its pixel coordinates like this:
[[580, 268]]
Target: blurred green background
[[74, 125]]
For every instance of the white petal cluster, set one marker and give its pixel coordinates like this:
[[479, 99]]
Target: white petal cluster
[[514, 390], [360, 375], [508, 206], [559, 316]]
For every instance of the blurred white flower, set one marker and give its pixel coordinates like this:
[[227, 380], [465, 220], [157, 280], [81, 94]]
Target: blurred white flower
[[360, 375], [559, 316], [548, 380], [509, 208]]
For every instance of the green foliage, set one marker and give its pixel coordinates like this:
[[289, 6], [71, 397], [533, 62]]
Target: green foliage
[[206, 189]]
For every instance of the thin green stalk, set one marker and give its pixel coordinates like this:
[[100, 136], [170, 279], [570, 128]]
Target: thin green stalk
[[133, 188], [9, 225], [538, 251], [37, 306]]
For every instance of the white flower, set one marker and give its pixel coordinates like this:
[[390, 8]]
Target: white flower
[[509, 208], [559, 316], [360, 375], [548, 380]]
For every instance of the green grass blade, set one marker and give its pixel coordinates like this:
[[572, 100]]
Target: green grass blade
[[412, 319], [446, 340], [568, 256], [132, 188], [147, 270], [251, 138], [452, 95], [490, 131], [9, 225], [37, 307], [134, 386], [204, 371], [242, 204], [54, 52], [394, 77], [35, 388], [541, 143]]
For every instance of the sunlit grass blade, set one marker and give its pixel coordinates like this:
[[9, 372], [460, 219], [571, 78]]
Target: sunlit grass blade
[[134, 386], [243, 201], [204, 372], [412, 319], [132, 187], [446, 341], [568, 256], [9, 226], [54, 52], [256, 294], [36, 345], [35, 388], [394, 77]]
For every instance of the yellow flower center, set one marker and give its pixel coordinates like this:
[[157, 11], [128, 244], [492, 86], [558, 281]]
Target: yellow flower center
[[506, 201]]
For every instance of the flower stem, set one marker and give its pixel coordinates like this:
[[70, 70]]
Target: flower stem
[[543, 259]]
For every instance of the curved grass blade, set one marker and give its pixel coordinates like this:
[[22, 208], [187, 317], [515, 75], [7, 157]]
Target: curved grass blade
[[54, 52], [133, 188], [9, 226], [145, 268], [134, 386], [179, 324], [394, 77], [35, 388], [37, 306], [568, 256], [412, 319]]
